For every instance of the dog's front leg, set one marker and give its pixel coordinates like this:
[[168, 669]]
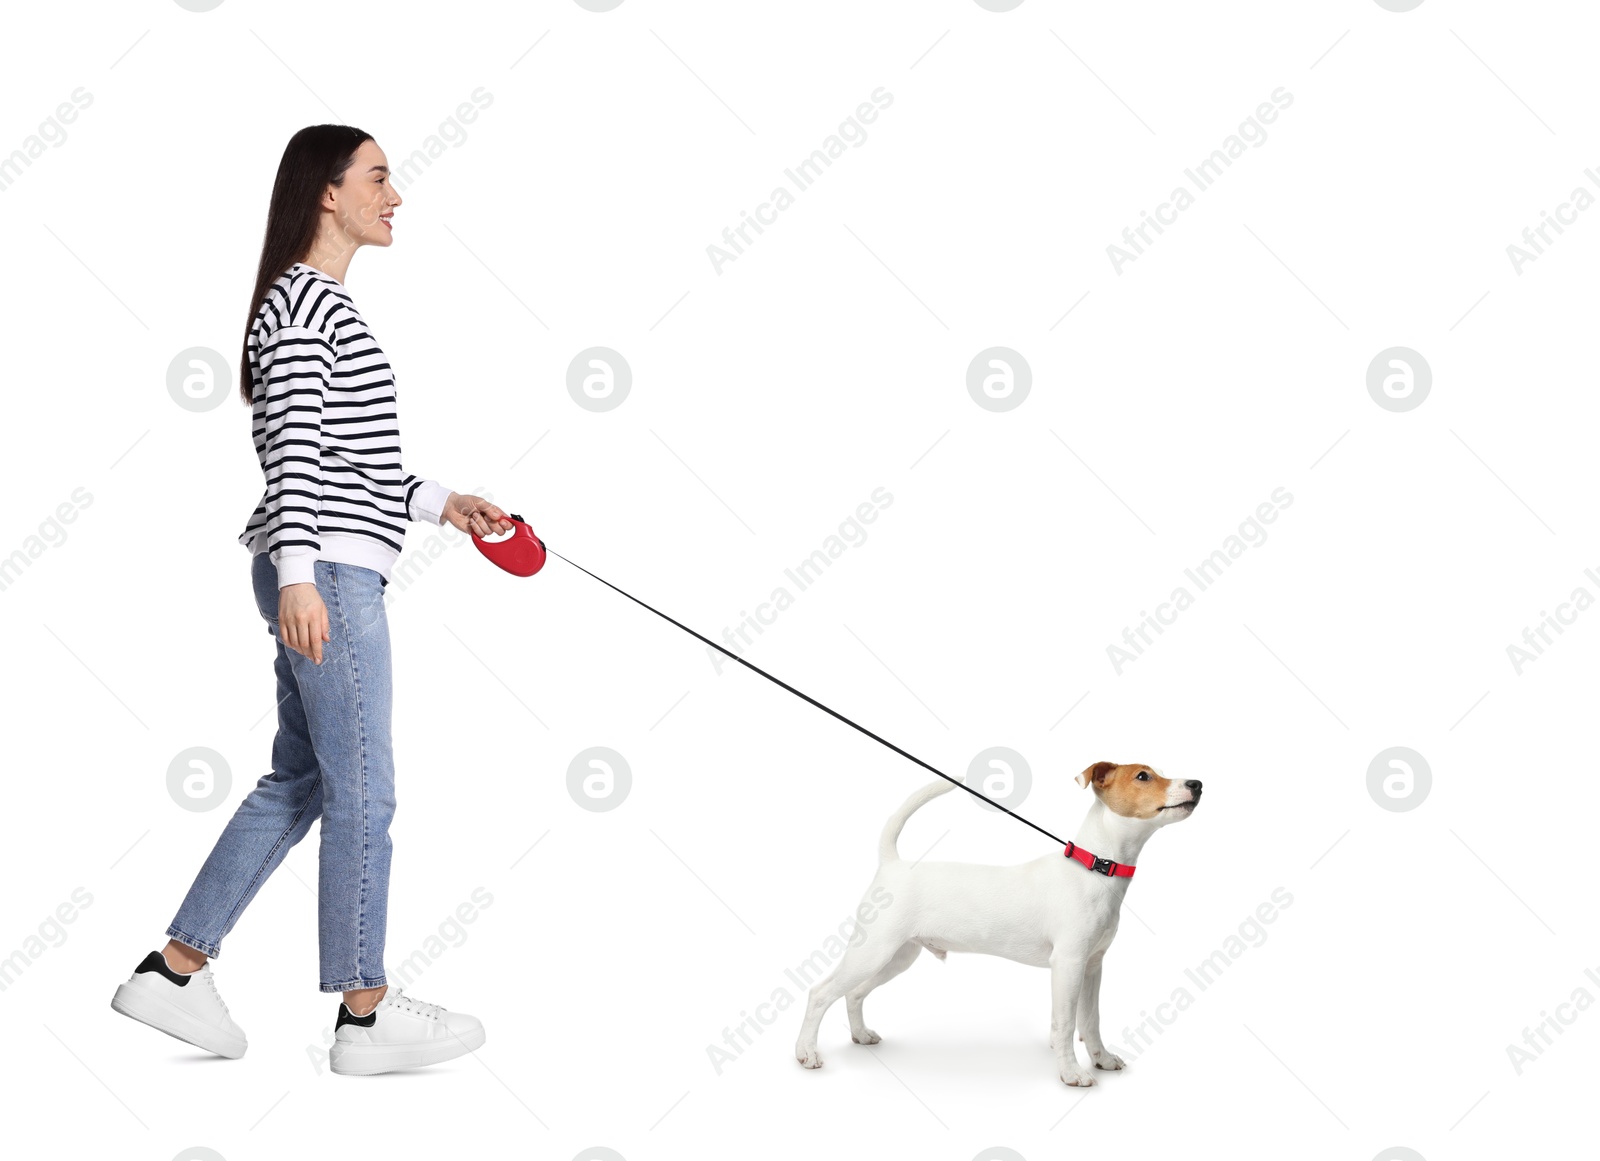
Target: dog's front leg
[[1089, 1017], [1066, 985]]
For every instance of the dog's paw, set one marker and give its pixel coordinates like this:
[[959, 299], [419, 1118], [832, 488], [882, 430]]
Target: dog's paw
[[1076, 1077], [808, 1057], [868, 1036], [1107, 1061]]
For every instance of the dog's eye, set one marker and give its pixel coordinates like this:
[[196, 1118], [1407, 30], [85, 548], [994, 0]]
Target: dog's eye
[[1141, 776]]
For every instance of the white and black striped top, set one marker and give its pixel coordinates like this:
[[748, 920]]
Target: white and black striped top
[[326, 429]]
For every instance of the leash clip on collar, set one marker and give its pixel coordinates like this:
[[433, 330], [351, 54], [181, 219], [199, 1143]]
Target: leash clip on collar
[[1100, 866]]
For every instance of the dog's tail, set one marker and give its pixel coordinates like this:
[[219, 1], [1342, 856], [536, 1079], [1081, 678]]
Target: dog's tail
[[887, 853]]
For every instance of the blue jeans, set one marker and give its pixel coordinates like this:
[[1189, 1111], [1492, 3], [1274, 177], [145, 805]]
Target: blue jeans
[[331, 757]]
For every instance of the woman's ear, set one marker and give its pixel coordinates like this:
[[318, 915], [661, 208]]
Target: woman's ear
[[1096, 773]]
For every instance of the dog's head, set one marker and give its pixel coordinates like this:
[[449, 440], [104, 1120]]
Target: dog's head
[[1137, 791]]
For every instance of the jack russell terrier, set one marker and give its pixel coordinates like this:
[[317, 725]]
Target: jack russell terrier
[[1056, 912]]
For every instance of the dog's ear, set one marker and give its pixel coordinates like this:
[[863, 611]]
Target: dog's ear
[[1096, 773]]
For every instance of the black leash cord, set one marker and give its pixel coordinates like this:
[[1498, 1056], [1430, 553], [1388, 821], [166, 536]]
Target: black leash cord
[[814, 701]]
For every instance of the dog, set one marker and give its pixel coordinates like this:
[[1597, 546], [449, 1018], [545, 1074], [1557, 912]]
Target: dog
[[1056, 912]]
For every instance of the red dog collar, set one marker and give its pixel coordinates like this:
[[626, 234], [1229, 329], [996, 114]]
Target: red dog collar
[[1103, 866]]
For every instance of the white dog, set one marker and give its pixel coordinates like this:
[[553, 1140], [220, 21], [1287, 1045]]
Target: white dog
[[1056, 912]]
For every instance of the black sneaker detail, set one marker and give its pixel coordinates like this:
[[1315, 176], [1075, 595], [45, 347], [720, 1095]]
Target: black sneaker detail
[[348, 1017], [156, 962]]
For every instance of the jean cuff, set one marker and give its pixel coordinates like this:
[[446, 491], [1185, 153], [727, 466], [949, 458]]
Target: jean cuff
[[200, 945], [355, 985]]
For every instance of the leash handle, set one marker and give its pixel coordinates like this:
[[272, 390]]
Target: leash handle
[[521, 553], [813, 701]]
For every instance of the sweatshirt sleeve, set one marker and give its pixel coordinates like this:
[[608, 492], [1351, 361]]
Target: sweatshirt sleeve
[[296, 365], [425, 499]]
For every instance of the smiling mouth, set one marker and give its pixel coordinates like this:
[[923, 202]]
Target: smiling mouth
[[1180, 805]]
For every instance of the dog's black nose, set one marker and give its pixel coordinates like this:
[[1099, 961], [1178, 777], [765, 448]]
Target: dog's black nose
[[1194, 784]]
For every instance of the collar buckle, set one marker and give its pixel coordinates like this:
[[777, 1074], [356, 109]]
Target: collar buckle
[[1104, 867]]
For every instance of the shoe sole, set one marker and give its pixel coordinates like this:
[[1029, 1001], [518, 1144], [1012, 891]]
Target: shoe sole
[[370, 1059], [140, 1005]]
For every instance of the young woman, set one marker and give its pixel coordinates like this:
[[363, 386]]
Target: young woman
[[323, 541]]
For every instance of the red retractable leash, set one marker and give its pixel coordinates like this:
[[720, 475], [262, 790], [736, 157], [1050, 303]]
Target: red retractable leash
[[522, 554]]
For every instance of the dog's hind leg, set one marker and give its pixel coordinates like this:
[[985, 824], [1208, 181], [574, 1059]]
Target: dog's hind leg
[[859, 965], [859, 1032]]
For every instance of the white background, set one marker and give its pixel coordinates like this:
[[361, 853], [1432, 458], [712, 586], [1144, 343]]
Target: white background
[[768, 401]]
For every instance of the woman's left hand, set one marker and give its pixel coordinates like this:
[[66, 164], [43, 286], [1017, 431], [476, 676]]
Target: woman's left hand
[[476, 515]]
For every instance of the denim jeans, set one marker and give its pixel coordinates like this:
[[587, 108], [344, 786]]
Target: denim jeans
[[331, 758]]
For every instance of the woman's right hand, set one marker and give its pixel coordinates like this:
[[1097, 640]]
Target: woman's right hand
[[303, 620]]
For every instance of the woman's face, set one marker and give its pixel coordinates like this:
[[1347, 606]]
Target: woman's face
[[363, 204]]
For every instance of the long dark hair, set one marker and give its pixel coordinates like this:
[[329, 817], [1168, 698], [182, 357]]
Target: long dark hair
[[315, 158]]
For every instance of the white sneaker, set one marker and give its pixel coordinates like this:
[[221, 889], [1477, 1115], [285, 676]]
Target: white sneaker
[[182, 1004], [401, 1032]]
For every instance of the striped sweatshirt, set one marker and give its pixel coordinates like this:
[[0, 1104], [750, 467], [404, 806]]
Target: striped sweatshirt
[[326, 429]]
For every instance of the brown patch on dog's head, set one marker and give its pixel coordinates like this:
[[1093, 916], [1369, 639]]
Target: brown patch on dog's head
[[1096, 773], [1135, 790]]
